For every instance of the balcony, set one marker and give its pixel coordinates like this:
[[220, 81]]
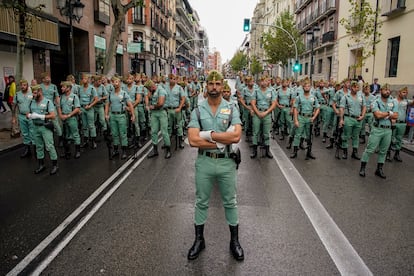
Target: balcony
[[393, 7], [326, 8], [300, 5], [328, 37]]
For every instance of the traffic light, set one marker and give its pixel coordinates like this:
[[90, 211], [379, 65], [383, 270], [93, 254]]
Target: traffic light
[[297, 66], [246, 25]]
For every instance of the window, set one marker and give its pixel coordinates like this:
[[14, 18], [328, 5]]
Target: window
[[320, 66], [393, 50], [138, 15], [102, 11], [306, 68]]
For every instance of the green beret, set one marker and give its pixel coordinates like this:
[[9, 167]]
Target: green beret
[[115, 78], [354, 83], [385, 87], [226, 86], [214, 76], [23, 81], [36, 87], [405, 88]]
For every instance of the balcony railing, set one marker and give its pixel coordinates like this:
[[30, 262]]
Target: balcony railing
[[328, 37]]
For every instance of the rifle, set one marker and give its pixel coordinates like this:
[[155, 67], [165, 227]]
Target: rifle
[[108, 139], [338, 138]]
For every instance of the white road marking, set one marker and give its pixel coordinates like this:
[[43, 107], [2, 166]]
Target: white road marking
[[45, 243], [339, 248]]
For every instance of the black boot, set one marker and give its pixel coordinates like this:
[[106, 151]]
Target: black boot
[[167, 152], [61, 142], [254, 152], [268, 154], [362, 139], [235, 247], [115, 153], [93, 143], [282, 136], [85, 142], [77, 151], [324, 137], [301, 144], [289, 146], [355, 154], [345, 154], [331, 143], [295, 152], [154, 151], [362, 169], [309, 154], [55, 167], [180, 142], [388, 157], [138, 142], [397, 156], [27, 152], [124, 153], [379, 172], [41, 167], [199, 243]]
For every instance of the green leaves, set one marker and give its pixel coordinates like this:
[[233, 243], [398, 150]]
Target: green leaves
[[239, 61]]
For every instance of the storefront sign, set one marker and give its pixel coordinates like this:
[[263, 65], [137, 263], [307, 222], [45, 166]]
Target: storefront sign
[[120, 49], [134, 48], [100, 42]]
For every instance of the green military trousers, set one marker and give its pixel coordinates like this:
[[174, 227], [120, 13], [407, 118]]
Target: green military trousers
[[368, 120], [118, 123], [352, 128], [286, 119], [159, 121], [247, 123], [381, 138], [99, 113], [43, 137], [141, 117], [262, 124], [88, 122], [397, 135], [303, 131], [71, 130], [26, 129], [209, 171], [329, 121], [175, 120]]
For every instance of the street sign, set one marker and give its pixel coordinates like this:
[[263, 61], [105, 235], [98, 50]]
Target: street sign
[[134, 48]]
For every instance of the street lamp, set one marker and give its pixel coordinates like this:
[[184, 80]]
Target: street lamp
[[311, 35], [73, 9], [155, 44]]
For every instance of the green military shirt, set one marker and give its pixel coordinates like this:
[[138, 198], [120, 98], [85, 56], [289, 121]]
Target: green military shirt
[[23, 101], [338, 96], [173, 96], [76, 89], [306, 105], [379, 105], [118, 102], [50, 92], [331, 95], [87, 94], [44, 107], [218, 122], [368, 100], [101, 92], [318, 93], [264, 99], [159, 92], [248, 94], [69, 103], [402, 109], [284, 97], [353, 107], [132, 92], [142, 91]]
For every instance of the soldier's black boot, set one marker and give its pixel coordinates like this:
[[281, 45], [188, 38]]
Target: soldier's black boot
[[93, 143], [154, 151], [397, 156], [124, 152], [362, 169], [167, 152], [199, 243], [60, 141], [27, 152], [295, 152], [324, 137], [253, 154], [379, 172], [180, 142], [268, 154], [362, 139], [388, 157], [282, 136], [115, 153], [345, 154], [85, 142], [301, 144], [355, 154], [77, 151], [41, 166], [55, 167], [289, 146], [235, 247], [139, 142], [309, 154], [331, 143], [66, 146]]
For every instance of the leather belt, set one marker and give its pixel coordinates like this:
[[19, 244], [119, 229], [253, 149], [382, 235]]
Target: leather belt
[[401, 121], [84, 105], [38, 124], [115, 112], [352, 116], [213, 155], [170, 108], [306, 115], [262, 109], [381, 126]]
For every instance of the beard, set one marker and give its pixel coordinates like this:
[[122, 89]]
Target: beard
[[385, 95], [213, 93]]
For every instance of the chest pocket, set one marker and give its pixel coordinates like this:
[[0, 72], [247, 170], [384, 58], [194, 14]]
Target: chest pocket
[[207, 123]]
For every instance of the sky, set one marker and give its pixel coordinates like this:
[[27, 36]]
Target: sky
[[223, 22]]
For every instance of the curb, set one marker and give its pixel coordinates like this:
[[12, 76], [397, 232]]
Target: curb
[[9, 149]]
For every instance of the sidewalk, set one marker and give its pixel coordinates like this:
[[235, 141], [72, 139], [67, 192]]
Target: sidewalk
[[6, 142]]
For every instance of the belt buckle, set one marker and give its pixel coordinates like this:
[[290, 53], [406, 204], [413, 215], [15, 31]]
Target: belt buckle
[[213, 155]]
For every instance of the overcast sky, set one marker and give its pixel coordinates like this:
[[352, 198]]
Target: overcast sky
[[223, 21]]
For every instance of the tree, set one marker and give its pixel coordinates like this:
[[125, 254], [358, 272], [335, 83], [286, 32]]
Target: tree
[[119, 10], [238, 62], [362, 25], [255, 66], [25, 18], [278, 45]]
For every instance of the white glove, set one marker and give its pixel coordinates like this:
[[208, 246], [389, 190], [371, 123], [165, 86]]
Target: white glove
[[221, 146], [29, 115], [206, 135], [391, 113], [37, 116]]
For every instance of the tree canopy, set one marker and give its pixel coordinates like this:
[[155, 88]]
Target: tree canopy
[[238, 62]]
